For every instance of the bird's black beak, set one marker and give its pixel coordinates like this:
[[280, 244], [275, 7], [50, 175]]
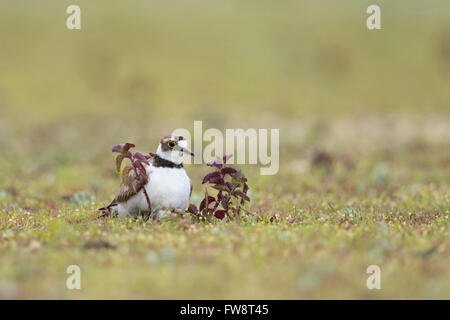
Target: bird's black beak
[[189, 152]]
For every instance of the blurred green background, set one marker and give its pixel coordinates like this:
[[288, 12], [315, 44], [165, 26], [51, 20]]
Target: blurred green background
[[377, 102], [206, 59], [136, 71]]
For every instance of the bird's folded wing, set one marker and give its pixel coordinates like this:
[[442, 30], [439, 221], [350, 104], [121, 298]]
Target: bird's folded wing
[[126, 190]]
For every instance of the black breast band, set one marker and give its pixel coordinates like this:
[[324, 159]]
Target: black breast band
[[160, 162]]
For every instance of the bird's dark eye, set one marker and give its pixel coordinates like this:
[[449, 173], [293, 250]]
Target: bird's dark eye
[[171, 144]]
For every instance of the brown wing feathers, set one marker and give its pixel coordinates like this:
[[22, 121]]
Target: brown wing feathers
[[126, 190]]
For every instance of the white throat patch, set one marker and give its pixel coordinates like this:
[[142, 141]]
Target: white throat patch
[[174, 156]]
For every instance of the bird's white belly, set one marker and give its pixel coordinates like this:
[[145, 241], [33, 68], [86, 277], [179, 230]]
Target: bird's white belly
[[168, 188]]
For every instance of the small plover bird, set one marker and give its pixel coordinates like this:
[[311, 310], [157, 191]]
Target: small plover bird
[[168, 186]]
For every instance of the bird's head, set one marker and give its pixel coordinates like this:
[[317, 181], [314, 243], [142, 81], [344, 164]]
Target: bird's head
[[172, 148]]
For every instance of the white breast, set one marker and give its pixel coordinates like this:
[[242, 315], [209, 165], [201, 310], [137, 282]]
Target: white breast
[[168, 188]]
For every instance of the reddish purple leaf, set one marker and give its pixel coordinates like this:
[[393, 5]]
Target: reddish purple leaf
[[138, 165], [241, 194], [122, 148], [219, 214], [211, 175], [203, 203], [192, 209], [139, 156], [128, 155], [217, 180], [128, 146], [215, 163], [228, 170], [118, 148]]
